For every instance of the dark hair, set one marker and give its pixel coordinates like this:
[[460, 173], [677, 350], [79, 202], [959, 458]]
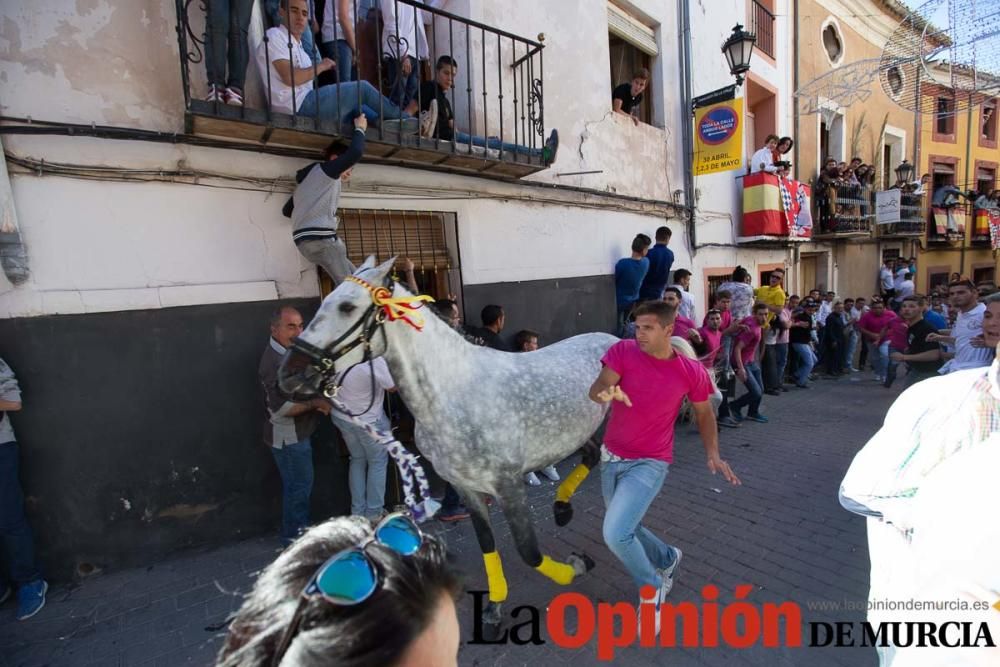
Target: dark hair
[[769, 137], [490, 314], [791, 142], [444, 61], [522, 337], [663, 233], [680, 274], [443, 307], [857, 159], [641, 242], [348, 636], [962, 282], [795, 296], [759, 306], [675, 290], [660, 309], [641, 73], [740, 274], [910, 298], [723, 294]]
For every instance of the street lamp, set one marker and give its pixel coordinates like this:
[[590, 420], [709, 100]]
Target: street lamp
[[904, 172], [738, 49]]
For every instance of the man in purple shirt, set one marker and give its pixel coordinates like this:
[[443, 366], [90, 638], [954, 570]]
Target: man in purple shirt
[[747, 368]]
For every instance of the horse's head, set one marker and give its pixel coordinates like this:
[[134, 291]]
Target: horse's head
[[341, 334]]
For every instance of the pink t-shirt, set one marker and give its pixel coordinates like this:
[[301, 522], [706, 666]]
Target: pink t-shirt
[[656, 388], [899, 334], [713, 341], [750, 339], [873, 323], [682, 325]]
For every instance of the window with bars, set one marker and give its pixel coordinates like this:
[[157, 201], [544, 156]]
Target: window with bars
[[713, 286], [429, 238]]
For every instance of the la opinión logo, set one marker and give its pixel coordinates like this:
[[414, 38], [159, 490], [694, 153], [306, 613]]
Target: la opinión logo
[[708, 624]]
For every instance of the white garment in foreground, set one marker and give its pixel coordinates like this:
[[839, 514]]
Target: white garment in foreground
[[356, 389]]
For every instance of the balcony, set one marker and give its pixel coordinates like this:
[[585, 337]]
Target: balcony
[[497, 97], [844, 211], [775, 210], [762, 25], [912, 219]]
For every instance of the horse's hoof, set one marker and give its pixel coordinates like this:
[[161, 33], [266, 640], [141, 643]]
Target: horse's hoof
[[582, 563], [563, 512], [491, 620]]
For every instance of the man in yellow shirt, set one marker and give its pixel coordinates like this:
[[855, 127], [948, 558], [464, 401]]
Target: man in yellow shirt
[[773, 294]]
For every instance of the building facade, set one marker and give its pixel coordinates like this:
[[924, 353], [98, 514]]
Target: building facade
[[156, 248]]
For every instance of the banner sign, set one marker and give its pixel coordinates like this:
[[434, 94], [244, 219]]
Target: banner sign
[[718, 137], [887, 206]]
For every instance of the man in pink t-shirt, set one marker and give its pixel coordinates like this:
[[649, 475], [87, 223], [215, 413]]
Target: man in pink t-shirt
[[683, 326], [646, 381], [709, 340], [745, 347], [874, 327]]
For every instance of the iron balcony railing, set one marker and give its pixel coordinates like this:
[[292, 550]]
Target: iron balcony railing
[[762, 25], [498, 110], [843, 208], [912, 217]]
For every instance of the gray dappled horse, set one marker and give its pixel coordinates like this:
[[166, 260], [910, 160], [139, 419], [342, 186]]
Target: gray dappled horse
[[483, 417]]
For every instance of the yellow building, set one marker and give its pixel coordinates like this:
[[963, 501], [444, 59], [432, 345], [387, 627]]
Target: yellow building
[[843, 113], [958, 146]]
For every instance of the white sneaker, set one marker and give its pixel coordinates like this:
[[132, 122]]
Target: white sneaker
[[668, 574], [855, 370], [651, 601], [879, 378], [428, 120], [215, 93], [532, 479], [551, 473]]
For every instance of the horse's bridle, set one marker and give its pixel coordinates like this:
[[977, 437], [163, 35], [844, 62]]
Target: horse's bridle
[[383, 307]]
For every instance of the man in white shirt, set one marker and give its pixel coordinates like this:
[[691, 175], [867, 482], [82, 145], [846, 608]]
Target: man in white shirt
[[369, 457], [682, 281], [969, 353], [885, 280], [905, 289], [404, 45], [289, 74], [763, 160]]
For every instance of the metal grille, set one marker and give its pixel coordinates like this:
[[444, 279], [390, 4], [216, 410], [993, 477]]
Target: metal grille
[[419, 235]]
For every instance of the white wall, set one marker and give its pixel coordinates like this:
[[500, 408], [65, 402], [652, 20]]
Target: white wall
[[107, 246]]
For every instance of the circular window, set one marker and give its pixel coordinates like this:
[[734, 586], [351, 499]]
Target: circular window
[[894, 76], [833, 44]]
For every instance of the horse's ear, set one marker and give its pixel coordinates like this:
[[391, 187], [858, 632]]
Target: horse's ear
[[369, 264], [383, 270]]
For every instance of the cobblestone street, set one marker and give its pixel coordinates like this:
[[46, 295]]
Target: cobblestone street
[[783, 532]]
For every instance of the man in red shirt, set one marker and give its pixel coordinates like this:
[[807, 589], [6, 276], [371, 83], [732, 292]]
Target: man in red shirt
[[874, 327], [646, 381], [747, 368], [709, 338]]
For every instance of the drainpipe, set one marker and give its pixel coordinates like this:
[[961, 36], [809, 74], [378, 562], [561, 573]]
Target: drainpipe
[[795, 84], [684, 11], [968, 166]]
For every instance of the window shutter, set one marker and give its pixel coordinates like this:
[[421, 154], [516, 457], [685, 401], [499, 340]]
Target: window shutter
[[641, 36]]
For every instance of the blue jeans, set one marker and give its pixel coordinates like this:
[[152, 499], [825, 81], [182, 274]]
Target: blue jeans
[[366, 476], [295, 465], [226, 42], [628, 488], [403, 88], [17, 544], [341, 102], [807, 359], [755, 391], [891, 367], [781, 361], [496, 144], [852, 345], [340, 52], [878, 353]]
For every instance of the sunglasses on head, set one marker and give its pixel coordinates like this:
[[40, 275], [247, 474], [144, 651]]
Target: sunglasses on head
[[350, 576]]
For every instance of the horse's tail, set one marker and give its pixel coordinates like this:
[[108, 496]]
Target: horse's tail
[[683, 347]]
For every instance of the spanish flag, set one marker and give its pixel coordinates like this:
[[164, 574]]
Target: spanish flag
[[763, 213]]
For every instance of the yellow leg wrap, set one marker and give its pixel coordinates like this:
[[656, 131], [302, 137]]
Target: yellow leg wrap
[[494, 575], [569, 485], [561, 573]]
